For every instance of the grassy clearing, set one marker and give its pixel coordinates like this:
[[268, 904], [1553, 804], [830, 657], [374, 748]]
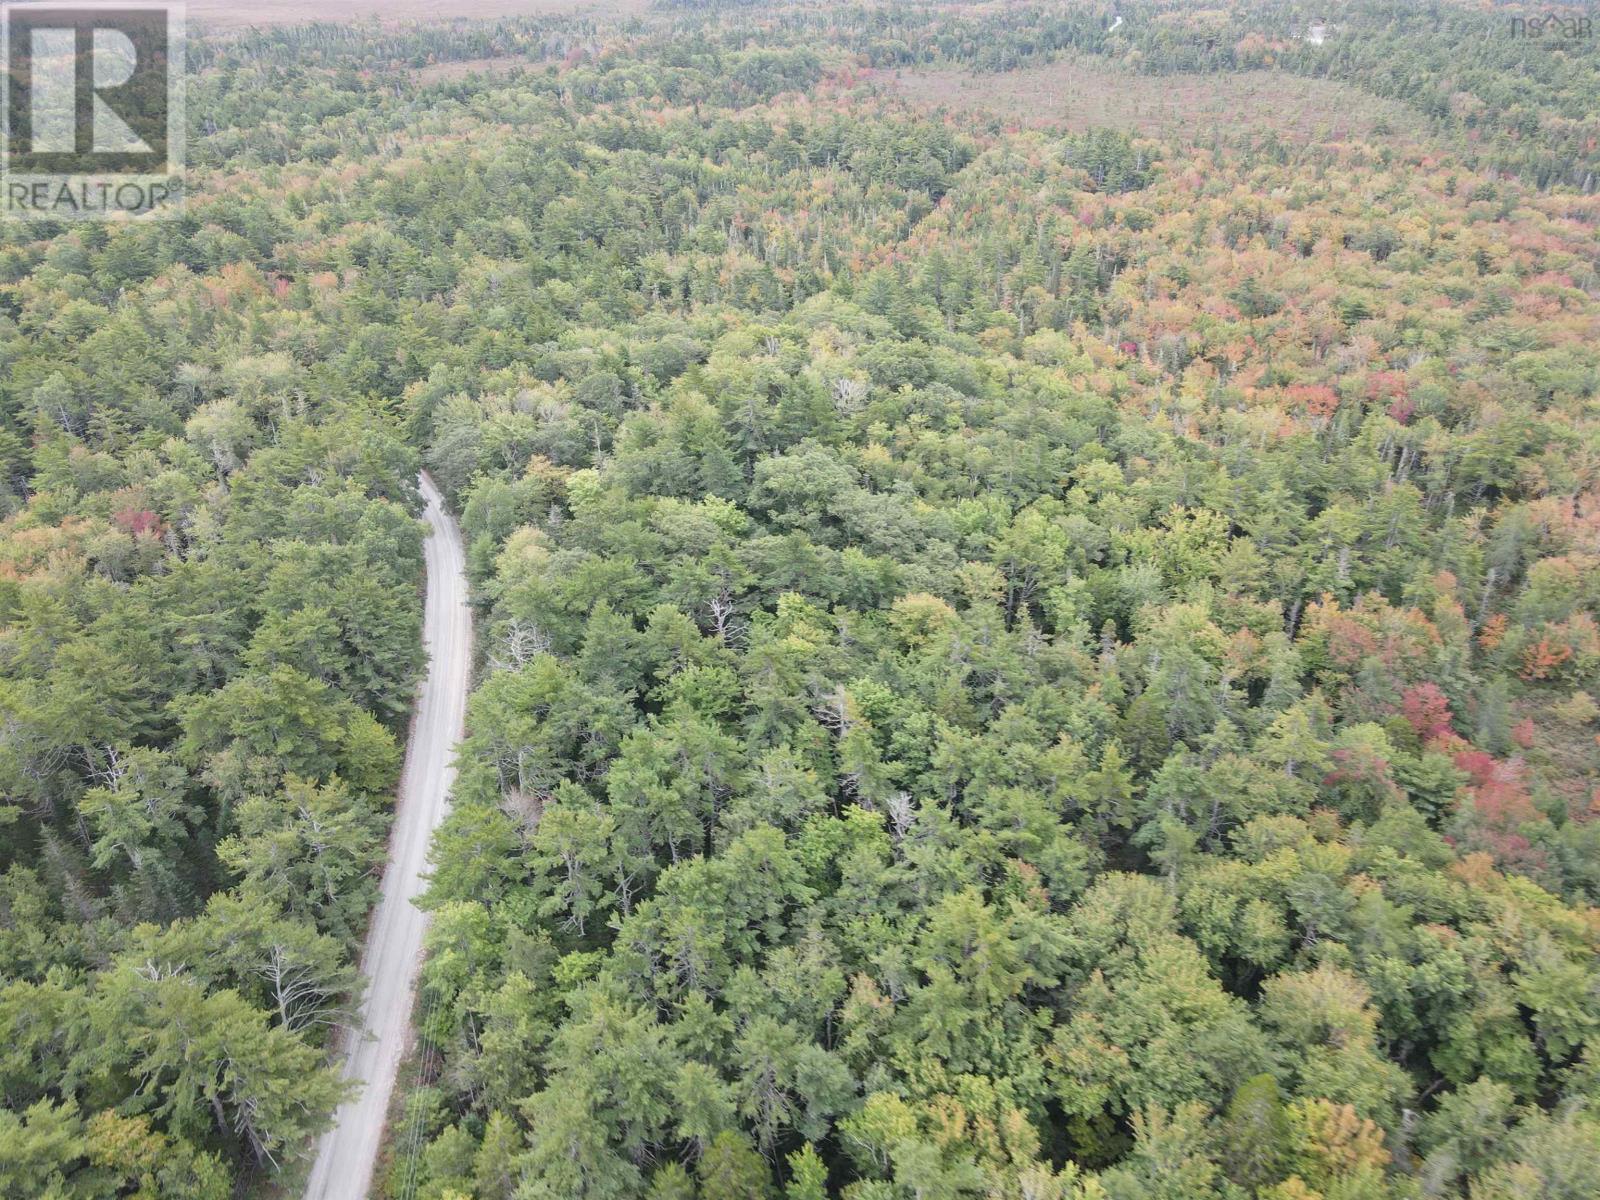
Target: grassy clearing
[[230, 14], [1083, 94]]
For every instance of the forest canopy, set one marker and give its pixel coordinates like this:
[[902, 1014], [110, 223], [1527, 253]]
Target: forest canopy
[[1016, 660]]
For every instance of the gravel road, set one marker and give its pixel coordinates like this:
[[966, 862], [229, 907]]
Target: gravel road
[[348, 1152]]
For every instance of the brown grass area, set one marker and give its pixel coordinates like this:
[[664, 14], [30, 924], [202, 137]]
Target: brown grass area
[[241, 14], [1081, 95]]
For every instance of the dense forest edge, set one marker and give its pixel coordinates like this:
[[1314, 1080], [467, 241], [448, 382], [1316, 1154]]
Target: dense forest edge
[[1015, 661]]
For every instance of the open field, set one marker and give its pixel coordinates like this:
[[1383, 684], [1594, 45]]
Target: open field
[[1083, 94], [234, 14]]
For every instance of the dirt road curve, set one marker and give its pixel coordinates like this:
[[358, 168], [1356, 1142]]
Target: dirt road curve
[[347, 1152]]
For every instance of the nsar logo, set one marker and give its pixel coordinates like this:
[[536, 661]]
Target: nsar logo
[[1557, 27]]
